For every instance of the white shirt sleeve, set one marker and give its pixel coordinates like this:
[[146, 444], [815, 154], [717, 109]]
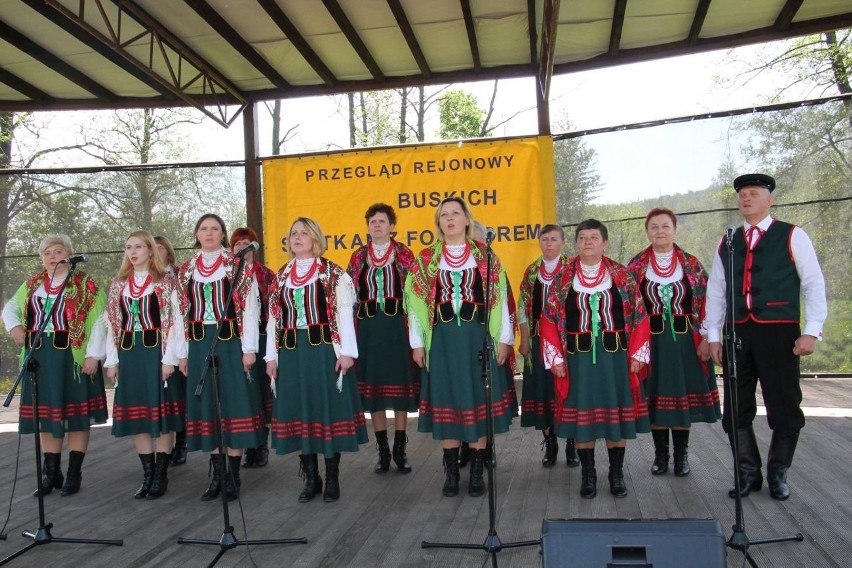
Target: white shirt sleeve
[[96, 346], [12, 314], [251, 320], [813, 283], [507, 331], [176, 341], [346, 317], [111, 350], [414, 338], [716, 302], [271, 354]]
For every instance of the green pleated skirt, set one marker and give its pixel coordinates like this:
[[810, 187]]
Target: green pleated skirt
[[538, 398], [387, 377]]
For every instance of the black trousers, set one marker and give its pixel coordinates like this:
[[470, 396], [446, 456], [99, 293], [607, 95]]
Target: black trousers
[[767, 356]]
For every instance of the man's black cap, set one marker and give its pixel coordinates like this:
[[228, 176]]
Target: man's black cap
[[762, 180]]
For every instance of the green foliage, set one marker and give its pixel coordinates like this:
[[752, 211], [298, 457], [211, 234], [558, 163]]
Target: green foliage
[[460, 116], [575, 176]]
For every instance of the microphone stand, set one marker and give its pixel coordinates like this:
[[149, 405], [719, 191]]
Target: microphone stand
[[228, 540], [492, 543], [42, 534], [739, 540]]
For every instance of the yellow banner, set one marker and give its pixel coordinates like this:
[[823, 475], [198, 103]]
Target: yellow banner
[[507, 182]]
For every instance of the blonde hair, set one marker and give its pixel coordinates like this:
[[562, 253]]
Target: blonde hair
[[155, 266], [56, 239], [467, 214], [314, 231], [171, 257]]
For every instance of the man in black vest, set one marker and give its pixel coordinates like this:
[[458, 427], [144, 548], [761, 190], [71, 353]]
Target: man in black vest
[[775, 267]]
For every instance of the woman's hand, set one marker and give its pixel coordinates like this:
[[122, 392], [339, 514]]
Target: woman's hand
[[503, 351], [703, 350], [636, 366], [168, 371], [272, 370], [344, 363], [18, 335], [112, 375], [248, 361], [560, 371], [183, 367], [90, 366], [418, 355]]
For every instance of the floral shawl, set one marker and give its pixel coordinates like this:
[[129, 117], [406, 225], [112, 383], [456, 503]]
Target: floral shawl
[[240, 291], [84, 303], [162, 289], [693, 269], [331, 277], [403, 260], [421, 285], [528, 283]]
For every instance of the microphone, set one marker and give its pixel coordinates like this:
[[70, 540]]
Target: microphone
[[490, 235], [72, 260], [729, 234], [254, 245]]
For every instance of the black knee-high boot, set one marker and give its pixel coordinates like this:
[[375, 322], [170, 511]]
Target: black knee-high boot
[[589, 485], [147, 476], [309, 471], [383, 465], [179, 451], [332, 479], [571, 453], [217, 466], [551, 448], [74, 476], [51, 474], [400, 440], [680, 441], [661, 451], [161, 476], [232, 478], [779, 460], [616, 472], [476, 487], [451, 470], [748, 456]]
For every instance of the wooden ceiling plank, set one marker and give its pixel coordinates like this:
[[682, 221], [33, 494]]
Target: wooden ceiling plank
[[788, 12], [235, 40], [23, 87], [46, 58], [355, 40], [471, 35], [549, 26], [698, 21], [531, 22], [408, 33], [299, 42], [617, 27]]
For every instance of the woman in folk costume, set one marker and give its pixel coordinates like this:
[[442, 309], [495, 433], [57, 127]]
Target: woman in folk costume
[[681, 386], [445, 299], [205, 281], [166, 253], [145, 341], [261, 392], [539, 399], [387, 379], [71, 386], [311, 348], [591, 311]]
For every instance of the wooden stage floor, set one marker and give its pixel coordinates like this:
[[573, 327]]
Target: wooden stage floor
[[381, 520]]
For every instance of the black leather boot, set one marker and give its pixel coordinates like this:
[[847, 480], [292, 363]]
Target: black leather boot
[[217, 466], [309, 471], [51, 474], [751, 479], [616, 472], [74, 475], [232, 478], [400, 440], [661, 451], [589, 485], [779, 460], [248, 457], [179, 451], [464, 454], [261, 456], [476, 486], [451, 470], [147, 476], [332, 479], [680, 441], [551, 449], [383, 465], [161, 476], [571, 453]]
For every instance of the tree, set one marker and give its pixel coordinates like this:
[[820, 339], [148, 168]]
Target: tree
[[460, 115], [576, 178]]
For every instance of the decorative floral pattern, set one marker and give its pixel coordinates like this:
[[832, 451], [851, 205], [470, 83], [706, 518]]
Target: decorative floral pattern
[[695, 274]]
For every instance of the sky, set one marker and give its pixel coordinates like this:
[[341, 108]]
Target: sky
[[632, 164]]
